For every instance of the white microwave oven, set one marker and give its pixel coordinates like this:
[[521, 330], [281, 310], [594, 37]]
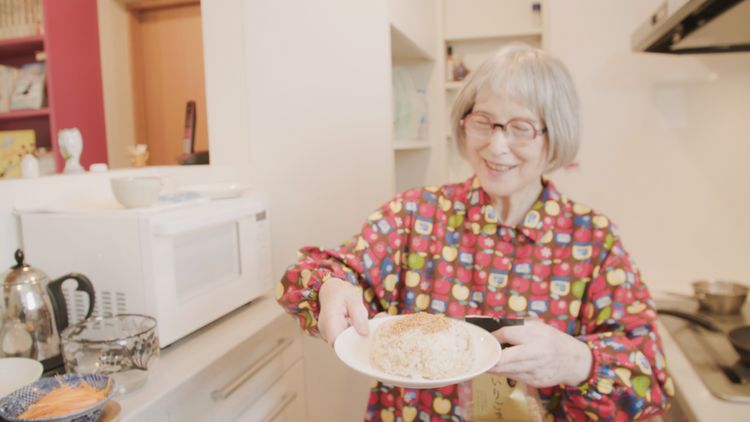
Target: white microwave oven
[[184, 264]]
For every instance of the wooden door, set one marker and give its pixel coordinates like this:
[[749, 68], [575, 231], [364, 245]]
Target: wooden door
[[168, 72]]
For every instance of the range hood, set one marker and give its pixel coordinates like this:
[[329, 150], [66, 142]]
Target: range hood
[[696, 26]]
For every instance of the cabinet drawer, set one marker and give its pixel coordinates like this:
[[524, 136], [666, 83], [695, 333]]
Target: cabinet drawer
[[241, 376], [283, 402], [489, 18]]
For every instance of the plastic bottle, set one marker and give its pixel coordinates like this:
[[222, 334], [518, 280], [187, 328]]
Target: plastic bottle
[[460, 70], [536, 9], [424, 123], [29, 166], [450, 65]]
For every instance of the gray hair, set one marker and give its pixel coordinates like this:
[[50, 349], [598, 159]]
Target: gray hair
[[538, 81]]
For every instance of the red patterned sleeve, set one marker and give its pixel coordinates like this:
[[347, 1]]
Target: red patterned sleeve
[[371, 259], [629, 379]]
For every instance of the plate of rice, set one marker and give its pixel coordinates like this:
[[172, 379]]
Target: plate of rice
[[419, 350]]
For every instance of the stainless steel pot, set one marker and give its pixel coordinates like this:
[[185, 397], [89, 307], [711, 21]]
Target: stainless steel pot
[[720, 297]]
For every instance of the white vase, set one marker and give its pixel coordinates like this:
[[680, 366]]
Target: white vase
[[71, 146]]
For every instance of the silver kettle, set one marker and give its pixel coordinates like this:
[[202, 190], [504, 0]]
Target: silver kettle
[[35, 313]]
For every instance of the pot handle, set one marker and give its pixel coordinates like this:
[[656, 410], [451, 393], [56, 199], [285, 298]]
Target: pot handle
[[58, 299], [695, 319]]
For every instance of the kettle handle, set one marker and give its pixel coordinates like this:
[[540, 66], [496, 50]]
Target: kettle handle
[[58, 299]]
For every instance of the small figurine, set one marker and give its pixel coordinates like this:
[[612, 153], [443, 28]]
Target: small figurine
[[71, 146]]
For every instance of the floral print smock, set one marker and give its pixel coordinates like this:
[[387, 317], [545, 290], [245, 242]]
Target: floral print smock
[[442, 250]]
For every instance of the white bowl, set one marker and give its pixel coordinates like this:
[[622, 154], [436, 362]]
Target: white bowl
[[17, 372], [136, 191]]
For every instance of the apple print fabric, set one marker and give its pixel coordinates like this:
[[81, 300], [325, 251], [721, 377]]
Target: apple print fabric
[[442, 250]]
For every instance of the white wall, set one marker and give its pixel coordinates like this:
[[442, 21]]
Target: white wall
[[665, 143], [318, 117]]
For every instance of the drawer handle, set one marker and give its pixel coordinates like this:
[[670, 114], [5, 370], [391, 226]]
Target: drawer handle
[[226, 391], [285, 400]]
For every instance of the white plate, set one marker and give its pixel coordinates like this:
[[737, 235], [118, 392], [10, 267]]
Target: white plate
[[217, 190], [354, 351], [16, 373]]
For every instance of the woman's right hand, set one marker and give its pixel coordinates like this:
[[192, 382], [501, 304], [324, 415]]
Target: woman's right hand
[[341, 305]]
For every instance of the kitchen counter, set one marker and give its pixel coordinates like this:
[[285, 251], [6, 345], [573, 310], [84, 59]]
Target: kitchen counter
[[693, 396], [183, 360]]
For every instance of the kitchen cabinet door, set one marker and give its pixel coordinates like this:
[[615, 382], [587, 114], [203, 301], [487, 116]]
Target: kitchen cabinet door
[[283, 402], [242, 377], [490, 18]]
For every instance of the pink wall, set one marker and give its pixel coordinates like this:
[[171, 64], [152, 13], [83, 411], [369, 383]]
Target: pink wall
[[74, 82]]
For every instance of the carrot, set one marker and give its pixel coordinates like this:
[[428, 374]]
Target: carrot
[[65, 400]]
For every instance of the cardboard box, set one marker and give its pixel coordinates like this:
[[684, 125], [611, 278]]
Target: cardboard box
[[14, 144]]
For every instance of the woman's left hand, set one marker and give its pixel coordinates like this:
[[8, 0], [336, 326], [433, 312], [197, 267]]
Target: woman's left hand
[[542, 356]]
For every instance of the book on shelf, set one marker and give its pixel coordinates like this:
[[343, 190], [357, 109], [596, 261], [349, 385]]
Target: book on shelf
[[28, 92], [20, 18], [14, 144], [8, 75]]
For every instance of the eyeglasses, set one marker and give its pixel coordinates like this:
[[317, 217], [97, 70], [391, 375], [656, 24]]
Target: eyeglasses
[[519, 131]]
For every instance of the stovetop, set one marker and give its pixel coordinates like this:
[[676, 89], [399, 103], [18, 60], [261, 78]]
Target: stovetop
[[711, 354]]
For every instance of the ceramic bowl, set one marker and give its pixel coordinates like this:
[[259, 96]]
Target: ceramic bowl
[[12, 406], [17, 372], [136, 191]]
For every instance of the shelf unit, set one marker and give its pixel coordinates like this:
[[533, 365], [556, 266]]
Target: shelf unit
[[416, 42], [70, 48], [22, 46], [16, 52], [453, 85], [24, 114], [475, 31], [410, 144]]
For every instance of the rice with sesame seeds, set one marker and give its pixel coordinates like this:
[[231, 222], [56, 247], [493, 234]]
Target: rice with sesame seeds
[[421, 346]]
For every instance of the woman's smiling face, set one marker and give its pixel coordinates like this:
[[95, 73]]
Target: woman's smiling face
[[503, 166]]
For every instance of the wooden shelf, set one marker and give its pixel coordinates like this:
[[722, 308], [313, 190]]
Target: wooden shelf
[[156, 4], [410, 144], [453, 85], [21, 46], [24, 114], [531, 33], [403, 48]]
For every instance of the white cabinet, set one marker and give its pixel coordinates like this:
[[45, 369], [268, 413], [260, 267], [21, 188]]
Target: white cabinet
[[416, 48], [416, 20], [260, 379], [282, 402], [490, 18]]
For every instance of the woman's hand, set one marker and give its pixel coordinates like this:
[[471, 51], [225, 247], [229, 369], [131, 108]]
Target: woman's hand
[[542, 356], [340, 304]]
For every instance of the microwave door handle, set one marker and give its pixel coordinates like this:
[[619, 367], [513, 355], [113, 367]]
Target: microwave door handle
[[173, 228]]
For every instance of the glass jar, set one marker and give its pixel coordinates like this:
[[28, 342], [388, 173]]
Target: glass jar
[[124, 346]]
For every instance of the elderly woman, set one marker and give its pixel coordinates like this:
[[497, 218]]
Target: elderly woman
[[504, 243]]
